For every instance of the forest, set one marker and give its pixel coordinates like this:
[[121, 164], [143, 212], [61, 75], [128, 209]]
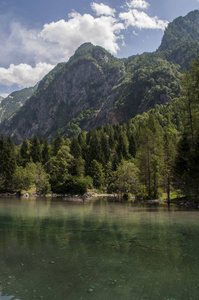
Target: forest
[[154, 153]]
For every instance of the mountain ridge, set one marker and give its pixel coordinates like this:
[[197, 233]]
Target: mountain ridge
[[95, 88], [10, 104]]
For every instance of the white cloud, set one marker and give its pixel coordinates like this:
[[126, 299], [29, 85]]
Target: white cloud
[[102, 9], [141, 20], [138, 4], [34, 52], [56, 42], [23, 75], [25, 45], [4, 95], [68, 35]]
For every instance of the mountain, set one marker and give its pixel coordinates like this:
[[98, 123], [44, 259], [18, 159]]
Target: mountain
[[10, 104], [94, 88], [180, 42]]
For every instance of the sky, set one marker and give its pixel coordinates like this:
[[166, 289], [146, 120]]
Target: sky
[[36, 35]]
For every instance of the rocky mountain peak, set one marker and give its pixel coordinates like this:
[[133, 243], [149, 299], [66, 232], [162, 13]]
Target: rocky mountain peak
[[88, 50], [182, 29], [95, 88]]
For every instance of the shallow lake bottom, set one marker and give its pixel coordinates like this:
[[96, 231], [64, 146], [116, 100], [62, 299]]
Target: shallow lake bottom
[[51, 249]]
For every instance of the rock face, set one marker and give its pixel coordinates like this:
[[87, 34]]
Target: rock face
[[94, 88], [70, 96]]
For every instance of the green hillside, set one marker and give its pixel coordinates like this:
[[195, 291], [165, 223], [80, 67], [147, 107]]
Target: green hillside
[[94, 88]]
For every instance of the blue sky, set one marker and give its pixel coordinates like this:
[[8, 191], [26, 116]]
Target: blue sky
[[36, 35]]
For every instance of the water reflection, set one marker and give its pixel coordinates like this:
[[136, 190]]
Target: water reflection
[[100, 250]]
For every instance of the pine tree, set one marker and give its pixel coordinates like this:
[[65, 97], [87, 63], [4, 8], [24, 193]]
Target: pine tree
[[181, 168], [7, 163], [123, 145], [106, 153], [94, 148], [190, 98], [25, 152], [45, 152], [35, 149], [57, 143], [96, 172], [75, 147], [150, 159]]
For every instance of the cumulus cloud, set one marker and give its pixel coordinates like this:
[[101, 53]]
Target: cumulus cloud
[[23, 75], [102, 9], [103, 31], [34, 52], [141, 20], [56, 42], [138, 4], [25, 46]]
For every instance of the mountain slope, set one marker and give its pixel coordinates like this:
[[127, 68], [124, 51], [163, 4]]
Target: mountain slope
[[14, 101], [94, 88], [180, 42]]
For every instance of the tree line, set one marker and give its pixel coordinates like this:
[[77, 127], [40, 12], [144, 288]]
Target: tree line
[[152, 153]]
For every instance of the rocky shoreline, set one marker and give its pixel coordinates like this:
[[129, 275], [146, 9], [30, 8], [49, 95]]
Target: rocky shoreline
[[90, 195]]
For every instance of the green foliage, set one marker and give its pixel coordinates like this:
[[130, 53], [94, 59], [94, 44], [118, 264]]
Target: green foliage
[[97, 173], [24, 152], [89, 182], [45, 152], [7, 163], [22, 179], [57, 143], [73, 185], [35, 149], [14, 101], [186, 166], [78, 167], [151, 80], [126, 178], [105, 88], [190, 95], [58, 166], [39, 177], [180, 42], [154, 151], [149, 157]]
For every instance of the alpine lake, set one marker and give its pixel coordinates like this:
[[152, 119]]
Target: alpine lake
[[98, 249]]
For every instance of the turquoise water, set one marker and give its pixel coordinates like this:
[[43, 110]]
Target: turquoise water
[[97, 250]]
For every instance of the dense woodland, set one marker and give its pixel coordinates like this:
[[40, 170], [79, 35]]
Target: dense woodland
[[154, 152]]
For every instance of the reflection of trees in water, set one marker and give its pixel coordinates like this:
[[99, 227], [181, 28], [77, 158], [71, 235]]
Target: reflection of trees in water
[[73, 246], [99, 228]]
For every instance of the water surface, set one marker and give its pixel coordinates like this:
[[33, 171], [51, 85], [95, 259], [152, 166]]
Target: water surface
[[52, 249]]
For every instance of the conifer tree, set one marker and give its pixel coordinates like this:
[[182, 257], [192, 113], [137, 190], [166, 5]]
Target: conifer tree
[[181, 166], [106, 153], [94, 148], [110, 132], [75, 147], [190, 98], [97, 173], [24, 152], [7, 163], [35, 149], [123, 145], [45, 152], [57, 143]]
